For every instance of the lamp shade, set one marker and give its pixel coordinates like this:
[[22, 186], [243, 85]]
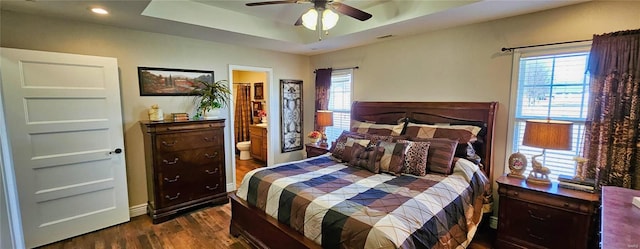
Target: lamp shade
[[329, 19], [548, 134], [324, 118]]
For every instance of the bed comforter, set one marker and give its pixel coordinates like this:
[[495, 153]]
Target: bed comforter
[[340, 206]]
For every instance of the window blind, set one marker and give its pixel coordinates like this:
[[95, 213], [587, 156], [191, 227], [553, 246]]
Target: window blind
[[340, 103]]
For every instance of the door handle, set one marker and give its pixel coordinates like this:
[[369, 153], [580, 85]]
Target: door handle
[[116, 151]]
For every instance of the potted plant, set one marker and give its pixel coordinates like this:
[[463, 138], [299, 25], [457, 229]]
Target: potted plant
[[210, 96]]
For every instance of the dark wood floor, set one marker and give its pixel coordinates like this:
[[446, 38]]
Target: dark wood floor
[[203, 228]]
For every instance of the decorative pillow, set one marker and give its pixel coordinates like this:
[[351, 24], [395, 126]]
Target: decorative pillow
[[377, 138], [440, 155], [462, 133], [367, 158], [348, 147], [393, 157], [337, 148], [378, 129], [415, 157]]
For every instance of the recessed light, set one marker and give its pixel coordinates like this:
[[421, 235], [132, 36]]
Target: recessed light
[[100, 11]]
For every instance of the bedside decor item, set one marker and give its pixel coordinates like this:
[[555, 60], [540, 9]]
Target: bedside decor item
[[211, 96], [517, 165], [545, 134], [155, 113], [170, 81], [580, 167], [291, 115], [315, 136], [324, 119]]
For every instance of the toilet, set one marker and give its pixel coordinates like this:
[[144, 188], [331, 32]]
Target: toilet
[[243, 147]]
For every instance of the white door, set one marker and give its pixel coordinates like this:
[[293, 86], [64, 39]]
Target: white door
[[64, 123]]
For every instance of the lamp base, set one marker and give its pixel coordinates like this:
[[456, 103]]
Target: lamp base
[[538, 174]]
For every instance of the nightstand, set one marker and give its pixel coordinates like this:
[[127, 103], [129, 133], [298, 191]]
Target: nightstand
[[538, 216], [314, 150]]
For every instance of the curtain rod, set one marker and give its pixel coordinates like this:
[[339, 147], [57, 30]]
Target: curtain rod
[[540, 45], [356, 67]]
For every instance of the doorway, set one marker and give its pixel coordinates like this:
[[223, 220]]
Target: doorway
[[250, 119]]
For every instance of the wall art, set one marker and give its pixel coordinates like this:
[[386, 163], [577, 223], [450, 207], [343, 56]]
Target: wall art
[[291, 115], [170, 81]]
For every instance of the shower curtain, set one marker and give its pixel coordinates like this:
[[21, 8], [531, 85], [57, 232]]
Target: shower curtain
[[243, 112]]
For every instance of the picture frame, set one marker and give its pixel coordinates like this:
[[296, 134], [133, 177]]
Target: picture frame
[[258, 91], [291, 115], [155, 81], [256, 106]]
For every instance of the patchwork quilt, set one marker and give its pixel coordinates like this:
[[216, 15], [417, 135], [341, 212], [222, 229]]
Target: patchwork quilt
[[340, 206]]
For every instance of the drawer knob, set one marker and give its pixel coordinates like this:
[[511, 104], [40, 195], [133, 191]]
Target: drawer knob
[[536, 236], [212, 188], [211, 172], [175, 160], [208, 139], [175, 179], [566, 204], [211, 156], [169, 144], [172, 198], [516, 193]]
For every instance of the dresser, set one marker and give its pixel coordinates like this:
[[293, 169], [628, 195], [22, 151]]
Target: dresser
[[258, 137], [620, 218], [185, 166], [539, 216]]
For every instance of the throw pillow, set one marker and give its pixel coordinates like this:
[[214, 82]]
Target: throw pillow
[[415, 157], [440, 155], [393, 157]]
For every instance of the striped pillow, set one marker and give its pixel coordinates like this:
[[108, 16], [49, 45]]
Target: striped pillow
[[440, 155], [337, 148], [393, 157], [348, 147], [367, 158], [378, 129]]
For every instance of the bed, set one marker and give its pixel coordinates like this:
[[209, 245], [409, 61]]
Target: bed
[[279, 213]]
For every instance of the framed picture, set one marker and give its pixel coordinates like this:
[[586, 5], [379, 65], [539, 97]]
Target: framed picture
[[291, 115], [258, 91], [257, 106], [170, 81]]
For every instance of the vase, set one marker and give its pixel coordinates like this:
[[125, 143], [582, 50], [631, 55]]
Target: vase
[[315, 140], [212, 114], [263, 119]]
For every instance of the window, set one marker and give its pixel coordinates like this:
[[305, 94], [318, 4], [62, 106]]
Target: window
[[553, 84], [340, 103]]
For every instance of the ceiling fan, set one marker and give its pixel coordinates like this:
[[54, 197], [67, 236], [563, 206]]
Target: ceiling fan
[[321, 16]]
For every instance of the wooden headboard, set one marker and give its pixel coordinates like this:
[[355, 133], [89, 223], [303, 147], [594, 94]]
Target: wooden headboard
[[471, 113]]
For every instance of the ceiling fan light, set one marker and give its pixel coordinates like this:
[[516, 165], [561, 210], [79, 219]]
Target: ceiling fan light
[[310, 19], [329, 19]]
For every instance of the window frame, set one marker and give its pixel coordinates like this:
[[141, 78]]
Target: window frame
[[518, 54]]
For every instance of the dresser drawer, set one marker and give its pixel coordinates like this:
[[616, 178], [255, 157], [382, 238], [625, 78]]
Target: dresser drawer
[[550, 200], [173, 188], [183, 160], [190, 140]]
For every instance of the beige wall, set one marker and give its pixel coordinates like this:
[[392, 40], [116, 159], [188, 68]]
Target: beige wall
[[251, 77], [465, 63], [136, 48]]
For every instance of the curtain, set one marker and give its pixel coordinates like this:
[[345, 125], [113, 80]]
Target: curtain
[[243, 117], [612, 122], [323, 84]]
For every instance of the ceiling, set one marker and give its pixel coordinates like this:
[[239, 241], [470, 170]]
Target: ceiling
[[271, 27]]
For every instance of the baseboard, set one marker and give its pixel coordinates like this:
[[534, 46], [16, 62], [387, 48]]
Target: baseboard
[[231, 187], [138, 210]]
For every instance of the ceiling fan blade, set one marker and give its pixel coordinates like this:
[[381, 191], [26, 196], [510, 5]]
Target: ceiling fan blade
[[351, 11], [271, 2]]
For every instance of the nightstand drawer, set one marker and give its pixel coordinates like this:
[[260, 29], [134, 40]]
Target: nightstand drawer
[[541, 225], [551, 200]]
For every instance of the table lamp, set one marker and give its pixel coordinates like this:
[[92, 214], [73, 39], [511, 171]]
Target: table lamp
[[324, 119], [545, 134]]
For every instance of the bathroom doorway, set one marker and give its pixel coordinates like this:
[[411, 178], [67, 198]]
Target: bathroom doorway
[[249, 119]]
